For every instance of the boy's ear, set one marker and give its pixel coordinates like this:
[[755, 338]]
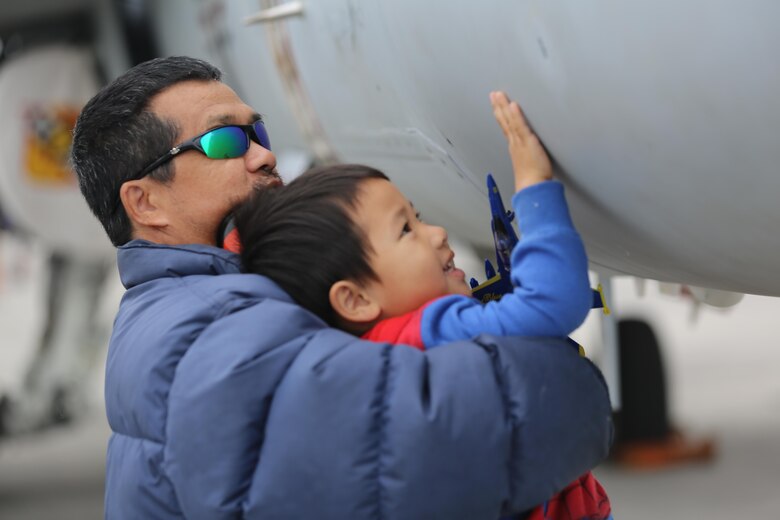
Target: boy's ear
[[140, 200], [351, 302]]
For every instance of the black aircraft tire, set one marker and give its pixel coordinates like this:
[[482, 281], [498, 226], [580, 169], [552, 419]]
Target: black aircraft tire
[[644, 414]]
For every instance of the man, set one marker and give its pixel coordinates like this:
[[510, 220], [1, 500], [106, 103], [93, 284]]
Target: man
[[227, 400]]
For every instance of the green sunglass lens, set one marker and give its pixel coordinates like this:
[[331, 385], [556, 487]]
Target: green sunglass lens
[[225, 143]]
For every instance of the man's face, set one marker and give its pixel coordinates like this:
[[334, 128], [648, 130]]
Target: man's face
[[203, 190], [412, 259]]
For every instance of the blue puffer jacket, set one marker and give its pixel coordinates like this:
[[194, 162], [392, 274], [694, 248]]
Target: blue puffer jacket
[[228, 401]]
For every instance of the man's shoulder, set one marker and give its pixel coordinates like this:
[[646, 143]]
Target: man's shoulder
[[189, 287], [144, 266], [140, 261]]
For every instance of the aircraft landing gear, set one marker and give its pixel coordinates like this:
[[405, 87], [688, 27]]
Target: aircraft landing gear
[[645, 438]]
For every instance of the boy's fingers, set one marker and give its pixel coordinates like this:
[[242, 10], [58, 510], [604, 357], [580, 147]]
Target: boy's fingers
[[509, 116], [513, 118], [499, 112], [502, 112], [502, 97], [503, 122], [517, 121]]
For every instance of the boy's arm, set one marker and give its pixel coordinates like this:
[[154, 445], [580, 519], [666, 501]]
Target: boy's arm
[[552, 294], [549, 268]]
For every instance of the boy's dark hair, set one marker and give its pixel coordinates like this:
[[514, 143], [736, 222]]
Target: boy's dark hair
[[116, 136], [303, 236]]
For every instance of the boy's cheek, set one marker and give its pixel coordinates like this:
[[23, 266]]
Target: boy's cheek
[[458, 287]]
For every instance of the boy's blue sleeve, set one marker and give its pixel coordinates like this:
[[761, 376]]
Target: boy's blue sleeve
[[552, 292]]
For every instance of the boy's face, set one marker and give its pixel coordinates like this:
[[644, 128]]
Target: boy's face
[[412, 259]]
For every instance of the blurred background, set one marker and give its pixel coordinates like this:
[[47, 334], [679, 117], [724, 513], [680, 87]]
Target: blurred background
[[692, 372]]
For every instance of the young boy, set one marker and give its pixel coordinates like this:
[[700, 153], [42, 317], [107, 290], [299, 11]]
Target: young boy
[[347, 245]]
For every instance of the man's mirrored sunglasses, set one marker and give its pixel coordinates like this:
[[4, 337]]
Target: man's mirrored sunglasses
[[224, 142]]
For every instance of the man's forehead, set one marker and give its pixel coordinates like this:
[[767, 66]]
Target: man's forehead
[[227, 118], [198, 105]]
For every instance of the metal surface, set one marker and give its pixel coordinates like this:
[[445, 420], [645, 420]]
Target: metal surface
[[277, 12], [662, 121]]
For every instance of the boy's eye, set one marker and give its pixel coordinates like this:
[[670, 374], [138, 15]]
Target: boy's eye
[[418, 216], [407, 229]]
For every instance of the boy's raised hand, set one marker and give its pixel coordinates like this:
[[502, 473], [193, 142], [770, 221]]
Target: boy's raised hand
[[529, 159]]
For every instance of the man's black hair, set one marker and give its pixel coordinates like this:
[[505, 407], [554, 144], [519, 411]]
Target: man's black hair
[[116, 136], [303, 235]]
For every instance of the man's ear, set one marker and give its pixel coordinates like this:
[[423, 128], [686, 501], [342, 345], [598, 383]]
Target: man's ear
[[141, 201], [351, 302]]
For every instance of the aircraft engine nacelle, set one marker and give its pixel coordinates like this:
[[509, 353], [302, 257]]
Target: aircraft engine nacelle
[[662, 120]]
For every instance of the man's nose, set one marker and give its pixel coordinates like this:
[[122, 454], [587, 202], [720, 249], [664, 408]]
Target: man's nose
[[259, 159]]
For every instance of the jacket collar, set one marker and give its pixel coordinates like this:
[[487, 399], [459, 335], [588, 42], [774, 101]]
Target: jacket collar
[[140, 261]]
